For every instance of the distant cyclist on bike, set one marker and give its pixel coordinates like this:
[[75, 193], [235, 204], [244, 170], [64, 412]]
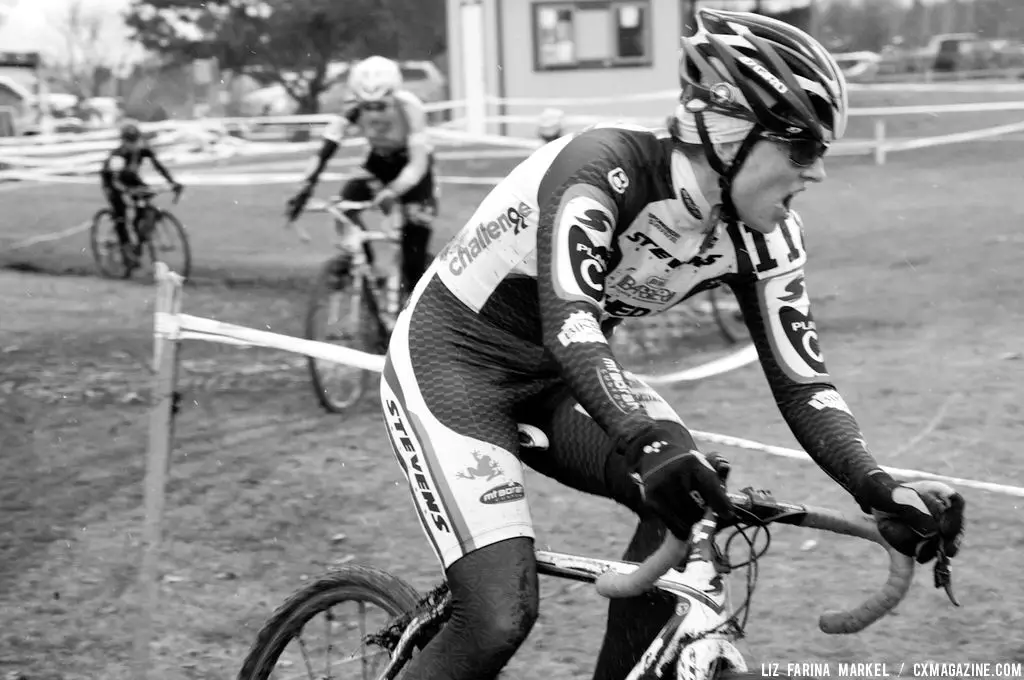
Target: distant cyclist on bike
[[399, 165], [510, 324], [120, 174]]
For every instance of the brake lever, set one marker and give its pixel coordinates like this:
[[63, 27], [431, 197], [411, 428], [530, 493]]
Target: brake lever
[[944, 575]]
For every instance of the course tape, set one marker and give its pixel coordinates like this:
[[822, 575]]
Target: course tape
[[46, 238], [188, 327], [730, 362], [750, 445]]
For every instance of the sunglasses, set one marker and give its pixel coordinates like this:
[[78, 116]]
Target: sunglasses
[[803, 151], [373, 106]]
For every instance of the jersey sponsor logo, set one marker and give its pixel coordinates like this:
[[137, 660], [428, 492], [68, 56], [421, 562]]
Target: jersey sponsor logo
[[704, 260], [655, 222], [792, 331], [803, 335], [617, 387], [595, 219], [623, 309], [690, 204], [618, 180], [419, 478], [672, 262], [463, 251], [582, 233], [829, 399], [485, 468], [506, 493], [580, 327], [794, 290], [588, 262], [652, 290]]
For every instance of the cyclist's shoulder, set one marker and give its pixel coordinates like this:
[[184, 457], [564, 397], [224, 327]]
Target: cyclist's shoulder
[[409, 100], [617, 156], [618, 140]]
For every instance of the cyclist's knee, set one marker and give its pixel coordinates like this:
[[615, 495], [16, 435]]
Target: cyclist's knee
[[495, 598]]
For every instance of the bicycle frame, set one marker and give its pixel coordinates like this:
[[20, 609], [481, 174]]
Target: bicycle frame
[[699, 637], [355, 236], [351, 239], [144, 211]]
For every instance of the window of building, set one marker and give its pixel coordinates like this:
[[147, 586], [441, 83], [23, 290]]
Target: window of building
[[592, 34]]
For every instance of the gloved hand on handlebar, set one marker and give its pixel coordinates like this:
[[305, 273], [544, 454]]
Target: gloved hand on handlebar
[[921, 518], [297, 203], [677, 482]]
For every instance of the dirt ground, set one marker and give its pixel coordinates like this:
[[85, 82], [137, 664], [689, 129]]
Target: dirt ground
[[916, 266]]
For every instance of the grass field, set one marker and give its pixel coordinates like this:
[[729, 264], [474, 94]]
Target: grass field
[[917, 269]]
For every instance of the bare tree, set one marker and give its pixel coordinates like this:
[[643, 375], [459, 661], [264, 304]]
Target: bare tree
[[93, 49]]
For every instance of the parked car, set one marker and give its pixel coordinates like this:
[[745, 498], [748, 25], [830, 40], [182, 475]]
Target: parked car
[[858, 66]]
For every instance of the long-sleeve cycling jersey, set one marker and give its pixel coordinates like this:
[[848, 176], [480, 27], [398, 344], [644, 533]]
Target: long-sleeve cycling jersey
[[122, 167], [610, 224]]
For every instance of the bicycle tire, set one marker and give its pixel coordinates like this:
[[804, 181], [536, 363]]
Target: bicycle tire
[[186, 248], [321, 286], [346, 584], [733, 330], [97, 256]]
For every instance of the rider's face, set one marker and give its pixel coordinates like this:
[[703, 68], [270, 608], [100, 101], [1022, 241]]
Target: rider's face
[[379, 106], [767, 182]]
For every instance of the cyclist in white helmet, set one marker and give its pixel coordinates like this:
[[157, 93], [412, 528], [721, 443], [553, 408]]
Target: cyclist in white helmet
[[550, 124], [399, 167], [510, 324]]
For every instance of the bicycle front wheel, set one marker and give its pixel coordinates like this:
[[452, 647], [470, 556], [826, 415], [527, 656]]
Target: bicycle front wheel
[[168, 243], [282, 640], [342, 310], [107, 252], [728, 315]]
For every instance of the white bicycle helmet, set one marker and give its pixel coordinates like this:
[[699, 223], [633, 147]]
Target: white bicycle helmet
[[790, 85], [746, 76], [374, 78]]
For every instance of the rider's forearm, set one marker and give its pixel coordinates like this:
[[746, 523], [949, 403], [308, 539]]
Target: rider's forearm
[[817, 416], [319, 162], [826, 429], [413, 172], [162, 169]]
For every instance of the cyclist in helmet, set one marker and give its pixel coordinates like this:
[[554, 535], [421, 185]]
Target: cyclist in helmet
[[120, 173], [550, 124], [399, 167], [511, 324]]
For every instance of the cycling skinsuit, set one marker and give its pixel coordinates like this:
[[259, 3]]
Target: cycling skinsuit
[[391, 134], [121, 170], [609, 222]]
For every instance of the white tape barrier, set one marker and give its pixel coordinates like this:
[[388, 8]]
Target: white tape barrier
[[232, 180], [672, 96], [973, 135], [750, 445], [108, 134], [738, 359], [180, 150], [183, 327], [187, 327], [46, 238]]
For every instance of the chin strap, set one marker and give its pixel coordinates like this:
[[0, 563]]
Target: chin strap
[[726, 173]]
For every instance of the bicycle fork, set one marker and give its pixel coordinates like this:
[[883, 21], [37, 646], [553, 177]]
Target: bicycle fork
[[386, 298]]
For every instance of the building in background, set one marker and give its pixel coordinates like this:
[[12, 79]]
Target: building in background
[[511, 59]]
